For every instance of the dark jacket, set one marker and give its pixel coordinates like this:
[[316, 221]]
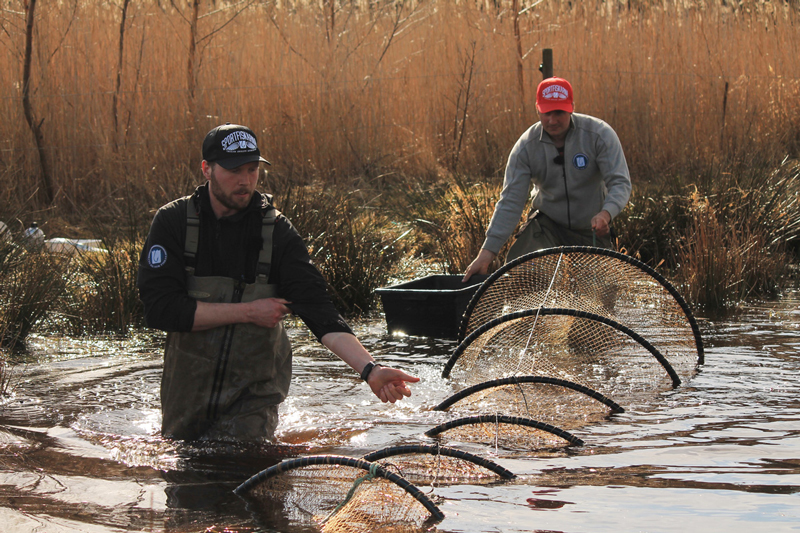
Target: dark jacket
[[228, 247]]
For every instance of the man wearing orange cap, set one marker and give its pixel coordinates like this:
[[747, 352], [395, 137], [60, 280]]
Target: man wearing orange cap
[[579, 176]]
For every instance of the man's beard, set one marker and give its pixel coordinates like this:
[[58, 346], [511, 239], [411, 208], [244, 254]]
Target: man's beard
[[230, 201]]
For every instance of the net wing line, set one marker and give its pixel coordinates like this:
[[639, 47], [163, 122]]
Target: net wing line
[[463, 329], [312, 460], [513, 380], [404, 449], [544, 311], [504, 419]]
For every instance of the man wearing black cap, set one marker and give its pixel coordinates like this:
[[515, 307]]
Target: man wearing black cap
[[219, 271]]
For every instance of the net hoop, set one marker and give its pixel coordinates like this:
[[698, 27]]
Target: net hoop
[[504, 419], [464, 326], [313, 460], [515, 380], [405, 449], [545, 311]]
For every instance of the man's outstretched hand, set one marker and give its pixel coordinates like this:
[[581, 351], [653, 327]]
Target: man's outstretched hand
[[390, 384]]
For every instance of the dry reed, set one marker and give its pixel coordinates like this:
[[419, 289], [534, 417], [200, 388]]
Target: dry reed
[[31, 282], [419, 88], [723, 262], [450, 219], [102, 296], [349, 240], [366, 95]]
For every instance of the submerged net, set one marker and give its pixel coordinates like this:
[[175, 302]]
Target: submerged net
[[546, 399], [423, 464], [566, 344], [502, 431], [342, 495], [598, 281]]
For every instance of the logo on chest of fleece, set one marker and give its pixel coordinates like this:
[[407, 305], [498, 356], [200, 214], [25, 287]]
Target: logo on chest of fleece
[[580, 161], [238, 142]]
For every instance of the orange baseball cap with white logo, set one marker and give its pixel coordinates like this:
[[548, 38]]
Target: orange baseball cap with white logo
[[554, 94]]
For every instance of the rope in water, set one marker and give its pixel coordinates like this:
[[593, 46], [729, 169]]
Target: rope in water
[[373, 469], [536, 318]]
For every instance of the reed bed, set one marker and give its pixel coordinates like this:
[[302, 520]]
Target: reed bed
[[725, 261], [449, 219], [102, 296], [350, 240], [408, 88], [401, 114], [31, 281]]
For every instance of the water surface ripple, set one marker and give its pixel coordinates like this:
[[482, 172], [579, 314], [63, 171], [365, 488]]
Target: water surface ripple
[[80, 450]]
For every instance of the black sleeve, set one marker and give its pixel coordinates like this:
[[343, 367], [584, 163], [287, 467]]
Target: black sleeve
[[162, 275], [302, 284]]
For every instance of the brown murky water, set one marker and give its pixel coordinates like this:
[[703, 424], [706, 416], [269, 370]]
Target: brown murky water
[[80, 451]]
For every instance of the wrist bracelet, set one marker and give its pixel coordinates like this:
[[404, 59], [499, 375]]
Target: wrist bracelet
[[368, 369]]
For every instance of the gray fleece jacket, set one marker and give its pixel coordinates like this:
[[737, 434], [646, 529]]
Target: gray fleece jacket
[[594, 177]]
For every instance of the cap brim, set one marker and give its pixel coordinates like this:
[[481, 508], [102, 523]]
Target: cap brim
[[229, 163], [555, 106]]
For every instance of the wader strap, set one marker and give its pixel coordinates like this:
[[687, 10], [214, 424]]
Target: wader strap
[[265, 255], [192, 236]]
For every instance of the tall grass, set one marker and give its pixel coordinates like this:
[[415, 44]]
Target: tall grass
[[400, 100], [349, 239], [410, 88], [724, 261], [450, 219], [102, 296], [6, 249], [31, 282], [726, 237]]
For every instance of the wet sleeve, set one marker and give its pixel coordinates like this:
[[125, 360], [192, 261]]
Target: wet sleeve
[[302, 284], [162, 275]]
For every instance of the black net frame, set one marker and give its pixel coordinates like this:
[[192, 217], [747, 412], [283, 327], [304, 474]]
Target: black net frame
[[488, 326], [514, 380], [434, 450], [504, 419], [367, 466], [520, 266]]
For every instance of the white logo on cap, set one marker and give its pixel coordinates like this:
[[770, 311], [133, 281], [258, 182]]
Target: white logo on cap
[[239, 141], [157, 256], [555, 92]]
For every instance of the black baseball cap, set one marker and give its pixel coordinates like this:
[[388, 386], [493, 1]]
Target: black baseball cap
[[231, 146]]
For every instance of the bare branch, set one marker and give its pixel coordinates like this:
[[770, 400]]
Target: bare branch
[[291, 48], [64, 37], [247, 3], [172, 3]]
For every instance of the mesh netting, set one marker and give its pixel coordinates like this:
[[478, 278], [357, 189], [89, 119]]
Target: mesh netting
[[437, 465], [598, 281], [342, 495], [560, 402], [565, 344], [502, 431], [378, 507]]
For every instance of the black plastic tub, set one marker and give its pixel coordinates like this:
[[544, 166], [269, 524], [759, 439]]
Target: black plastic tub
[[428, 307]]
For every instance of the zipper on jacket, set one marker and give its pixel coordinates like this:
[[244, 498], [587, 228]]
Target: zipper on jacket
[[566, 193], [223, 356]]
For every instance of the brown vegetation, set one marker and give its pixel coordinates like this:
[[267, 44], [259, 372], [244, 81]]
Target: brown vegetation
[[413, 105], [383, 89]]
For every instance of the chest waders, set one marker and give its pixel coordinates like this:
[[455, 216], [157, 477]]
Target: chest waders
[[226, 383]]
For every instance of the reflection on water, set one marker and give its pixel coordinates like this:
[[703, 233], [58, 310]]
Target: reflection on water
[[80, 450]]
